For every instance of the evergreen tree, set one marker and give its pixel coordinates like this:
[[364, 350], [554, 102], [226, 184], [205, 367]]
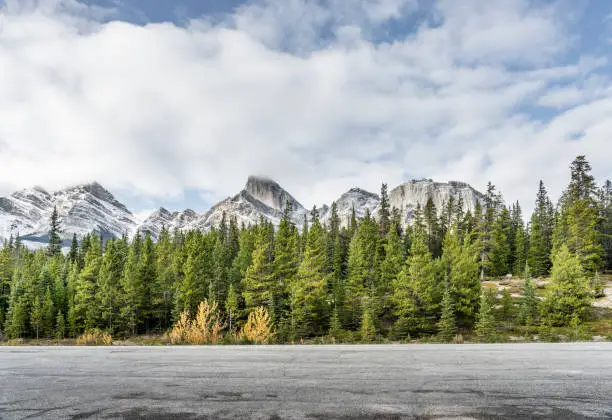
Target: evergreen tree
[[73, 254], [231, 306], [367, 328], [528, 310], [461, 265], [108, 296], [569, 293], [384, 211], [447, 325], [130, 286], [310, 312], [162, 289], [259, 280], [55, 241], [541, 226], [432, 228], [579, 218], [389, 270], [361, 277], [500, 249], [605, 204], [417, 291], [36, 317], [485, 323], [286, 261], [48, 314], [85, 288], [60, 326]]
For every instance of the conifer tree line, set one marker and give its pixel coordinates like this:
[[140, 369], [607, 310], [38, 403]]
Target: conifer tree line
[[366, 279]]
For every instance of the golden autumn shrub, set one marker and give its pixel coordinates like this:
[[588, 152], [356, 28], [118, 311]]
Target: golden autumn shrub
[[95, 337], [204, 328], [258, 328]]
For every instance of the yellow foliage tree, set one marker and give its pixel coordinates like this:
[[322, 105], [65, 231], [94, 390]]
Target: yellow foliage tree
[[204, 328], [258, 328]]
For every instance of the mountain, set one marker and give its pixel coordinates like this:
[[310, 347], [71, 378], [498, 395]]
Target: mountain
[[90, 207], [163, 218], [82, 209], [360, 200], [407, 196], [261, 197]]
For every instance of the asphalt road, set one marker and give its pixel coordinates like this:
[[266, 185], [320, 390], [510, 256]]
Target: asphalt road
[[318, 382]]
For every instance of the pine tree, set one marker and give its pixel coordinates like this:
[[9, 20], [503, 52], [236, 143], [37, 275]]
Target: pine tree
[[73, 254], [521, 244], [579, 218], [432, 228], [500, 249], [48, 314], [36, 317], [389, 269], [384, 211], [258, 281], [108, 295], [310, 312], [605, 204], [485, 323], [130, 287], [417, 291], [528, 310], [85, 287], [461, 265], [60, 326], [507, 306], [162, 289], [361, 267], [55, 241], [286, 261], [231, 306], [367, 328], [447, 327], [569, 292]]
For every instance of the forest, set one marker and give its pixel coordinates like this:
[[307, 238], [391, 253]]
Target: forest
[[369, 281]]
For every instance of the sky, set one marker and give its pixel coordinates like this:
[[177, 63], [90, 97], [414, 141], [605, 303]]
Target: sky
[[177, 103]]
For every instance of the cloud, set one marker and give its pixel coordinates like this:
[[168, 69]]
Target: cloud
[[301, 91]]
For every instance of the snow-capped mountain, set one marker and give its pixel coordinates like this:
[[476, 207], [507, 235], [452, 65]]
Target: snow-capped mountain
[[163, 218], [90, 207], [261, 197], [82, 209]]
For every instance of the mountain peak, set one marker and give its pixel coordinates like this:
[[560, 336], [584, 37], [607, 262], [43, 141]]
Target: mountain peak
[[270, 193]]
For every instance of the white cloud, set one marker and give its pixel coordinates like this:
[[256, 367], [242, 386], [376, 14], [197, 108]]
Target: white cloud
[[158, 109]]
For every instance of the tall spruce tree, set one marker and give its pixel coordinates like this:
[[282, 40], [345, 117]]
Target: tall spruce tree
[[541, 231], [579, 218], [417, 289], [568, 295], [55, 241], [309, 308]]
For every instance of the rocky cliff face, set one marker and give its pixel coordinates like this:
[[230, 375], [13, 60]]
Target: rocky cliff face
[[260, 198], [407, 196], [90, 207]]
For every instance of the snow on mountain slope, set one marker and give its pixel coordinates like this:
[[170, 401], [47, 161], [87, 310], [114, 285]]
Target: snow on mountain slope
[[163, 218], [82, 209]]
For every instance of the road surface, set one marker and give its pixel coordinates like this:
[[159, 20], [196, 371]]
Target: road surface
[[548, 381]]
